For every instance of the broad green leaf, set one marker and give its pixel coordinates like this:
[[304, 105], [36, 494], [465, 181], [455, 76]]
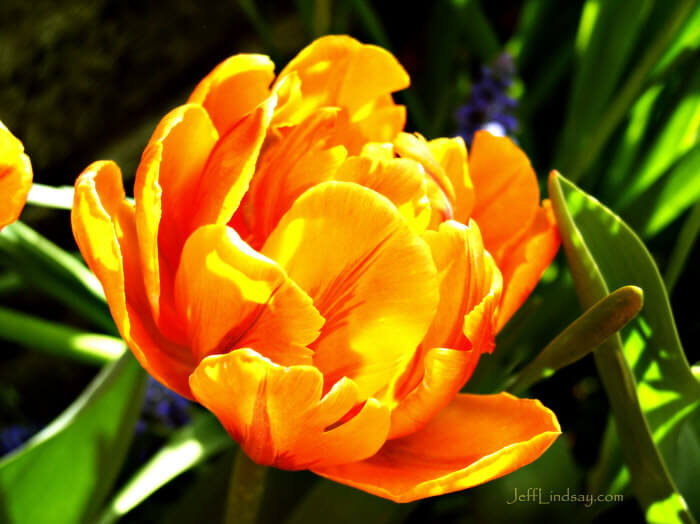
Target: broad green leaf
[[651, 389], [186, 448], [58, 339], [66, 471], [594, 326], [688, 39]]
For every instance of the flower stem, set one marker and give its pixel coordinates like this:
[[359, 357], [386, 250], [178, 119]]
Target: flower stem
[[245, 491]]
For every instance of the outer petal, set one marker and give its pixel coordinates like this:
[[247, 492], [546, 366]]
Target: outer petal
[[524, 263], [165, 180], [473, 440], [15, 177], [105, 231], [187, 178], [230, 296], [233, 88], [470, 292], [340, 71], [372, 279], [279, 416], [507, 194]]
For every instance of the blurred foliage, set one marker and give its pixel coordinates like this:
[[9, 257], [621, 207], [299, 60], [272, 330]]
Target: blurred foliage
[[608, 93]]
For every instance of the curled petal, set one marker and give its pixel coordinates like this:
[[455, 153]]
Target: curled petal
[[401, 180], [507, 194], [231, 296], [470, 292], [15, 177], [105, 231], [233, 88], [279, 415], [451, 155], [370, 276], [476, 438], [340, 71], [525, 261]]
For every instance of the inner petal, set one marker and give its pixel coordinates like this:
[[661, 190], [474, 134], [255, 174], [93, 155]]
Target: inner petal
[[370, 276]]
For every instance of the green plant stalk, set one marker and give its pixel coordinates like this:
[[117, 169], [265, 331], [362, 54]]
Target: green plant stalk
[[682, 248], [598, 323], [49, 196], [246, 489], [186, 448], [58, 339], [587, 153]]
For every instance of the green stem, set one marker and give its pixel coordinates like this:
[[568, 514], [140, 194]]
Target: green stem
[[58, 339], [246, 489]]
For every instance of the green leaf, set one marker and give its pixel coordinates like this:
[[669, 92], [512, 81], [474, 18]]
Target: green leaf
[[674, 140], [608, 32], [594, 326], [581, 144], [58, 339], [54, 272], [667, 199], [684, 244], [66, 471], [651, 389], [185, 449]]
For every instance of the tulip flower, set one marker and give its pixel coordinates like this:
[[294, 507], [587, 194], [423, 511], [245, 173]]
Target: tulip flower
[[15, 177], [321, 280]]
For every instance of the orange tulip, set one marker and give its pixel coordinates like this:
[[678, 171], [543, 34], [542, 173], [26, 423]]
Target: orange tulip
[[321, 281], [15, 177]]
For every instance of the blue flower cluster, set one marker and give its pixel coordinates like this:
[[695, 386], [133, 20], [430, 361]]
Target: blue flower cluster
[[489, 107], [13, 436], [163, 407]]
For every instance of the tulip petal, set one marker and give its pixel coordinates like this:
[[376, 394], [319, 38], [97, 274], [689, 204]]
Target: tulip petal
[[105, 231], [401, 180], [470, 292], [226, 176], [507, 194], [372, 279], [451, 154], [525, 261], [289, 166], [165, 181], [439, 187], [473, 440], [231, 296], [279, 416], [340, 71], [233, 88], [15, 177]]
